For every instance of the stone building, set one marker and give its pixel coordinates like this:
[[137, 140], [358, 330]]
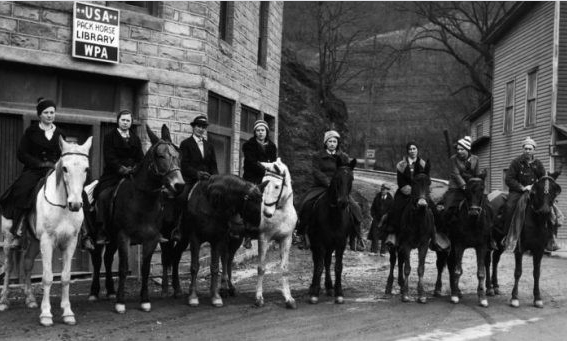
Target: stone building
[[176, 59]]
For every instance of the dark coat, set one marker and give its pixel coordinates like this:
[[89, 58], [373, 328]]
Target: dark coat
[[522, 173], [324, 166], [254, 153], [192, 161], [34, 150], [462, 170], [118, 152], [403, 171], [381, 206]]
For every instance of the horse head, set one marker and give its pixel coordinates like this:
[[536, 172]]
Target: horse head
[[420, 186], [341, 183], [543, 193], [163, 161], [474, 194], [278, 187], [71, 170]]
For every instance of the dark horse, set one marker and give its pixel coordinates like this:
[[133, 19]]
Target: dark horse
[[137, 214], [469, 226], [329, 227], [416, 230], [211, 205], [535, 233]]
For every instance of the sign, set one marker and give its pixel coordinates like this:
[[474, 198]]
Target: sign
[[96, 32], [370, 153]]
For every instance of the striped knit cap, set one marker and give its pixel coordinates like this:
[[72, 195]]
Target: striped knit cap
[[465, 142]]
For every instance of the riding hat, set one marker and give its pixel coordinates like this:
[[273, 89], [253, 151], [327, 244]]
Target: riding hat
[[385, 186], [261, 123], [465, 142], [530, 141], [200, 120], [43, 104], [329, 134]]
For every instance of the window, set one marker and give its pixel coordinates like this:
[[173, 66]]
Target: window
[[220, 110], [146, 7], [226, 20], [509, 107], [271, 120], [247, 118], [531, 98], [479, 132], [263, 36]]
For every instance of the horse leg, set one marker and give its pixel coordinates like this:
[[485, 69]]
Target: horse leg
[[481, 252], [108, 259], [216, 249], [404, 256], [166, 262], [262, 251], [46, 245], [285, 246], [123, 243], [233, 246], [29, 260], [441, 262], [176, 255], [514, 301], [457, 272], [488, 279], [495, 260], [422, 253], [318, 265], [339, 295], [96, 260], [390, 282], [68, 315], [148, 249], [537, 256], [328, 279], [8, 262], [193, 297]]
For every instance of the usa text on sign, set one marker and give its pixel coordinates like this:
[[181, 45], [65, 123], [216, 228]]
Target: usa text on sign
[[96, 32]]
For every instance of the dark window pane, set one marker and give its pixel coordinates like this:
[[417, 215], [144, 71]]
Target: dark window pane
[[271, 120], [90, 95], [225, 118], [222, 151], [213, 110], [25, 86], [223, 19]]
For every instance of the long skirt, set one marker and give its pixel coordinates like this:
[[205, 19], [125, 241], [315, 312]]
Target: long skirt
[[19, 197]]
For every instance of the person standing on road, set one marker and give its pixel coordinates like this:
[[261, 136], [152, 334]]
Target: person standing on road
[[380, 207], [259, 148]]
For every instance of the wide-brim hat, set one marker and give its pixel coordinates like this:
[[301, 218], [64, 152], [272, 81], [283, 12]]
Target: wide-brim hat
[[200, 120]]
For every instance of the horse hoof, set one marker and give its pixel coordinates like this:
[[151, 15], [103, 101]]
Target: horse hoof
[[490, 292], [46, 321], [515, 303], [437, 293], [120, 308], [291, 304], [69, 320], [259, 302], [538, 303], [454, 299], [93, 298], [339, 300], [422, 300], [111, 296], [405, 298], [3, 307], [313, 299], [496, 291], [217, 302], [193, 302], [483, 303], [32, 305], [146, 306]]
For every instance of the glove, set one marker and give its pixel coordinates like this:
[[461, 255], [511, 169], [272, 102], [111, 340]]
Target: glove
[[123, 170], [528, 188], [406, 190], [203, 175], [46, 164]]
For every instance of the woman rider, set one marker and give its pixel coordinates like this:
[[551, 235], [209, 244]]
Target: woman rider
[[464, 166], [324, 166], [259, 148]]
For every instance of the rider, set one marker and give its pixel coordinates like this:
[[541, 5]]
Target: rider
[[259, 148], [39, 151], [324, 166], [522, 173], [123, 152]]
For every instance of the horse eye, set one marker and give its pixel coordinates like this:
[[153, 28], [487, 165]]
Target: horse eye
[[86, 169], [65, 169]]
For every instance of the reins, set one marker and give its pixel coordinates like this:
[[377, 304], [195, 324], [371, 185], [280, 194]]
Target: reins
[[64, 185], [279, 177]]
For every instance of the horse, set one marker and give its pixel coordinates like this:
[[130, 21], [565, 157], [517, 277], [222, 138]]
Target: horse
[[277, 223], [135, 217], [55, 222], [211, 205], [416, 230], [329, 228], [535, 232], [469, 227]]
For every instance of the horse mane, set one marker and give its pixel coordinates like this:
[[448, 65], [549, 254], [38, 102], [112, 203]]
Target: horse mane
[[226, 192], [58, 173]]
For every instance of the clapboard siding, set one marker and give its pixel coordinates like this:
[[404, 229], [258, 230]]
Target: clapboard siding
[[528, 45], [482, 152], [562, 70]]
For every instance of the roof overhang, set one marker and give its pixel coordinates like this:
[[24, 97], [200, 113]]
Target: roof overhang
[[507, 22]]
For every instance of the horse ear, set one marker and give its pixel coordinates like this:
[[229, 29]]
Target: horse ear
[[62, 143], [263, 185], [165, 135], [153, 138], [87, 145], [277, 169], [554, 175], [352, 163]]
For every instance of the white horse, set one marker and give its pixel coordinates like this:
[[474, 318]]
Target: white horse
[[55, 221], [277, 223]]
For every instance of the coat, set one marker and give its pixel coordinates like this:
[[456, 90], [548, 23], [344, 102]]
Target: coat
[[117, 152], [192, 161], [522, 173], [254, 153], [380, 206], [462, 170], [404, 174], [34, 151], [324, 166]]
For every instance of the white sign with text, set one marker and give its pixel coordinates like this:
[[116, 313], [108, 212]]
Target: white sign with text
[[96, 32]]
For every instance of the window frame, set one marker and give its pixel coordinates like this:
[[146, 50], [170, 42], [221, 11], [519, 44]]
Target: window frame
[[509, 108], [479, 130], [531, 117], [263, 27], [248, 129], [226, 21], [151, 8]]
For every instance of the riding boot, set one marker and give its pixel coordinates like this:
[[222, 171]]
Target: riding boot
[[391, 240], [87, 225], [17, 231]]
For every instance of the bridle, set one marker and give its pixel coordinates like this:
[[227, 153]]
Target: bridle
[[477, 208], [152, 166], [282, 179], [65, 186], [546, 190]]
